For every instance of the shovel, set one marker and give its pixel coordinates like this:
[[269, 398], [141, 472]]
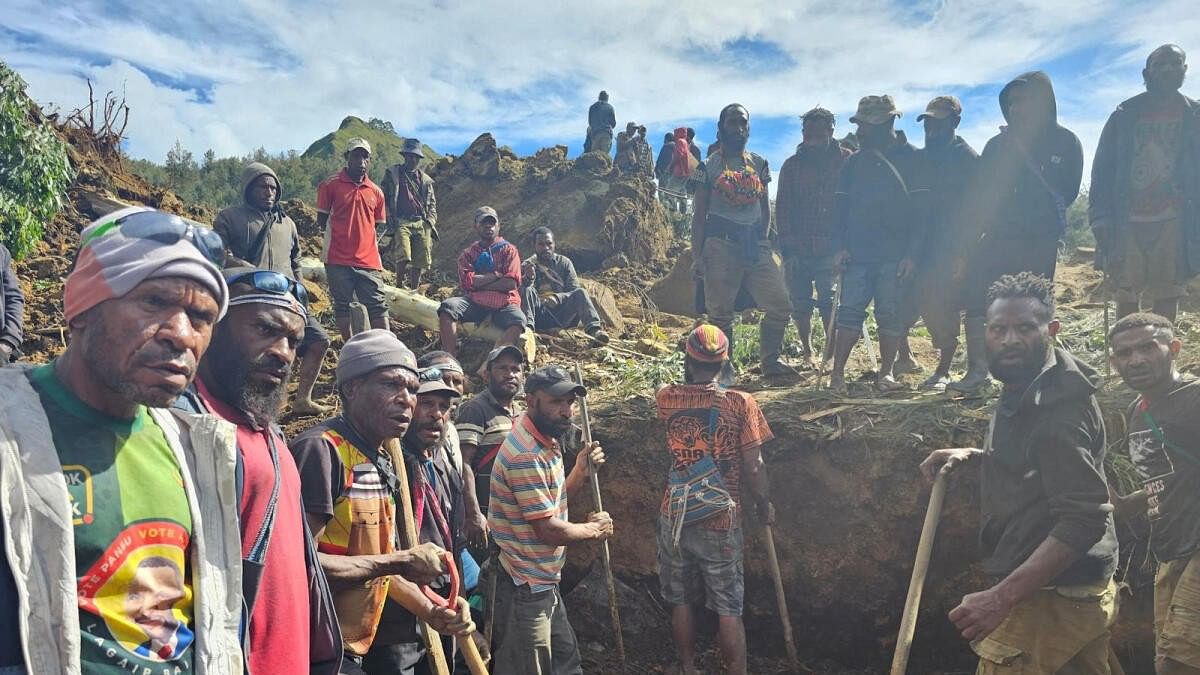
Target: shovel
[[912, 603]]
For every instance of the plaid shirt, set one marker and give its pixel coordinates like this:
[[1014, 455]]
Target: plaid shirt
[[804, 204], [508, 264]]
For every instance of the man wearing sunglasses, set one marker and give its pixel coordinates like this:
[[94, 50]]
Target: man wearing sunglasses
[[258, 234], [244, 381], [99, 478]]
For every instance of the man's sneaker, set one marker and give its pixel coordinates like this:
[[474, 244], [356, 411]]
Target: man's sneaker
[[936, 382], [887, 383], [597, 334]]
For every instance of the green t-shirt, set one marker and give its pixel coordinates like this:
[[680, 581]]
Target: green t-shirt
[[132, 534]]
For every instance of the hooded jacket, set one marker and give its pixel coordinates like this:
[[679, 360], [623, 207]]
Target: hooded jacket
[[1043, 475], [1028, 177], [240, 227], [1111, 187]]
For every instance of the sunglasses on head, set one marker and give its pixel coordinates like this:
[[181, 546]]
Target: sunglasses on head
[[272, 282], [167, 229], [431, 374]]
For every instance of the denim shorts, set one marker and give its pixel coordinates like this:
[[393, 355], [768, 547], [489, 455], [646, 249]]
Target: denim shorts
[[707, 563], [864, 282]]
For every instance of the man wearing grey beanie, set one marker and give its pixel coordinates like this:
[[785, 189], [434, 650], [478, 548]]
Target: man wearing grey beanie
[[345, 471], [136, 559]]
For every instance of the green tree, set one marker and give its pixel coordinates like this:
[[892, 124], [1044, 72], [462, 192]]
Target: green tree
[[34, 169], [181, 167]]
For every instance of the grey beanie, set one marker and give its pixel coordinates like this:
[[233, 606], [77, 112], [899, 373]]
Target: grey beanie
[[371, 350]]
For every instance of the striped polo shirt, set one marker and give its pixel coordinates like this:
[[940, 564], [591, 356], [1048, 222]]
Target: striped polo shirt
[[527, 485]]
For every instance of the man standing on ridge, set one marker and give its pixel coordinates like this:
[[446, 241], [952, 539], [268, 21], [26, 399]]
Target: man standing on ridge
[[1163, 441], [602, 119], [489, 272], [730, 244], [1145, 187], [258, 234], [804, 221], [412, 215], [351, 208], [1046, 529], [1029, 175]]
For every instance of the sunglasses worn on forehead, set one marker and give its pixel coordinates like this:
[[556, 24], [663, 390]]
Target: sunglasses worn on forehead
[[431, 374], [164, 228], [272, 282]]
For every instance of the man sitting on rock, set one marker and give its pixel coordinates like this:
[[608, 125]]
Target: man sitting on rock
[[551, 294], [489, 272]]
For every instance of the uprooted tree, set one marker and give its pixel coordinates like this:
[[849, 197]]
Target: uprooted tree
[[34, 170]]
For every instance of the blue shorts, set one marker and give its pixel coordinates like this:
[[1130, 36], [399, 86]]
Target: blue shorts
[[864, 282]]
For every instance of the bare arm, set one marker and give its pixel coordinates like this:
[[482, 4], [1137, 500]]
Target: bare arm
[[422, 564], [558, 532], [322, 219]]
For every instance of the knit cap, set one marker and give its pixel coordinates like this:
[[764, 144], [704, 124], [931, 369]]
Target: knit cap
[[707, 344], [371, 350]]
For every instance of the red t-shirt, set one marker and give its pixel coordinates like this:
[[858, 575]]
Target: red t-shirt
[[279, 626], [354, 209]]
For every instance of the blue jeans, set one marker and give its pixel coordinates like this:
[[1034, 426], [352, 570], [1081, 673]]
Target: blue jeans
[[864, 282]]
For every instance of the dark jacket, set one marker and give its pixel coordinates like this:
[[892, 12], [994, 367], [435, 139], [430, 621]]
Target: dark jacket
[[877, 206], [240, 227], [425, 195], [558, 277], [12, 332], [949, 172], [602, 116], [1043, 475], [1010, 200], [662, 166], [1110, 191], [804, 205]]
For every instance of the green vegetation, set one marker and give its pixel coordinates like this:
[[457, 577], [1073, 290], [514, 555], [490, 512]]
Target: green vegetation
[[36, 171], [213, 182]]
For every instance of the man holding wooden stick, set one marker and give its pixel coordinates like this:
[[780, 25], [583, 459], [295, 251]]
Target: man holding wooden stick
[[714, 437], [527, 516]]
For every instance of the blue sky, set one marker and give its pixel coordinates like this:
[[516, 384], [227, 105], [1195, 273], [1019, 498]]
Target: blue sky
[[235, 76]]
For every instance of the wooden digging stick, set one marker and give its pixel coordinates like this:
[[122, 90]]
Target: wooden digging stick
[[908, 624], [604, 556], [831, 333], [785, 620], [433, 640]]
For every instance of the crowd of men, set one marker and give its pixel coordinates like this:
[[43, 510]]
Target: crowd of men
[[155, 518]]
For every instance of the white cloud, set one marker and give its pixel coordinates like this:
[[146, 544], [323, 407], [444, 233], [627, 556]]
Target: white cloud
[[260, 73]]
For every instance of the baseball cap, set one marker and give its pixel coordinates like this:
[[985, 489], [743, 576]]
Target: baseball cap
[[941, 107], [554, 380], [511, 350], [485, 212], [875, 110], [356, 143]]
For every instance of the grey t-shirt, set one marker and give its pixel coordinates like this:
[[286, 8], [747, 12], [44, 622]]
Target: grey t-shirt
[[718, 203]]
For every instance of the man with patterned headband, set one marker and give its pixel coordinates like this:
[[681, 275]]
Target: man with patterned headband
[[730, 243], [244, 381], [714, 436], [106, 495]]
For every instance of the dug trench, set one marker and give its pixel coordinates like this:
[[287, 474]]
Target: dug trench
[[850, 504]]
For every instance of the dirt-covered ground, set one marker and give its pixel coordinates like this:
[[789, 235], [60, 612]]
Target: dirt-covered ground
[[843, 471]]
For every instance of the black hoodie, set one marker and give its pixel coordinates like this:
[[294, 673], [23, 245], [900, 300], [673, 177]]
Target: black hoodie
[[1028, 177], [1043, 475]]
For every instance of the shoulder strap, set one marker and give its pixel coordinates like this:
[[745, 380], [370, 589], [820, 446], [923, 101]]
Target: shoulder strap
[[260, 241], [895, 172], [1162, 438]]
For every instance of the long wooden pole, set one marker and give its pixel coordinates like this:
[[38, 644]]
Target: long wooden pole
[[785, 620], [912, 604], [614, 614], [433, 641]]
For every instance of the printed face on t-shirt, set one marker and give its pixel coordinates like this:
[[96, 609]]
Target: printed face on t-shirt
[[152, 593]]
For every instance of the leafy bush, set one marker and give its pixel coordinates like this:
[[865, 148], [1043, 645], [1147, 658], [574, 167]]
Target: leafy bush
[[34, 170]]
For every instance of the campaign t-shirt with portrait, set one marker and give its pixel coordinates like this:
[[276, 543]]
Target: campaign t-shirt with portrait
[[132, 531], [1170, 470]]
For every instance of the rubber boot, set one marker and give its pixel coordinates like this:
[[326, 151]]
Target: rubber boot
[[977, 366], [770, 346], [728, 374]]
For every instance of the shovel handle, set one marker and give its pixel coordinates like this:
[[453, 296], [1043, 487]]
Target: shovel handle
[[912, 604]]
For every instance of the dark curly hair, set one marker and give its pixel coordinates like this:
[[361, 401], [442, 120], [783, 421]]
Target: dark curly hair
[[818, 114], [1162, 325], [1024, 285]]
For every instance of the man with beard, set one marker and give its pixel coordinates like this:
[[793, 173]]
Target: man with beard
[[1162, 432], [1145, 184], [483, 423], [1047, 528], [489, 272], [948, 165], [412, 214], [98, 476], [1029, 176], [258, 234], [550, 292], [804, 221], [349, 488], [436, 490], [730, 242], [528, 518], [877, 231], [244, 381]]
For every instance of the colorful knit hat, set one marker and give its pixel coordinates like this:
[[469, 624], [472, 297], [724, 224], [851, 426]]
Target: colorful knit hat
[[707, 344]]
